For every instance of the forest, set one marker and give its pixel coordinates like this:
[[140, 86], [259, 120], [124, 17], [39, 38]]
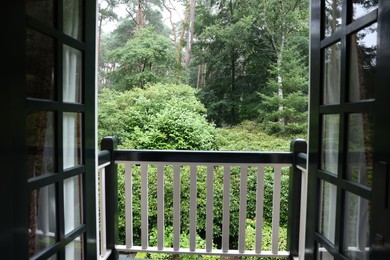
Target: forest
[[247, 59], [204, 75]]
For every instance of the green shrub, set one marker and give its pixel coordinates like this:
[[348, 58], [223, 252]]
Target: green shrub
[[161, 116]]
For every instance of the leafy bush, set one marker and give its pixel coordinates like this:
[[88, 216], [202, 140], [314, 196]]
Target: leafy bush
[[161, 116], [248, 136]]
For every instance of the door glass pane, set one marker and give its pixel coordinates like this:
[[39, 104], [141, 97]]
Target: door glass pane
[[332, 74], [362, 63], [74, 250], [333, 9], [73, 203], [361, 8], [40, 79], [357, 226], [323, 254], [73, 18], [42, 10], [53, 257], [72, 139], [360, 151], [327, 222], [330, 143], [42, 219], [72, 75], [41, 155]]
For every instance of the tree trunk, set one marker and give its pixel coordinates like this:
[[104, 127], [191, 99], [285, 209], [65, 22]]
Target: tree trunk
[[169, 9], [187, 59], [183, 30], [280, 88], [140, 16]]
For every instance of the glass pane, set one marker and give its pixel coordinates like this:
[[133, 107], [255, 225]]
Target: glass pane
[[327, 222], [40, 79], [74, 250], [41, 155], [53, 257], [73, 19], [72, 139], [330, 143], [357, 226], [323, 254], [362, 64], [361, 8], [42, 10], [42, 219], [333, 10], [72, 75], [360, 152], [332, 74], [73, 203]]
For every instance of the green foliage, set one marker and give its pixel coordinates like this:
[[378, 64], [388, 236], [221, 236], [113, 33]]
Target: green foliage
[[235, 61], [147, 58], [249, 136], [243, 48], [294, 73], [161, 116]]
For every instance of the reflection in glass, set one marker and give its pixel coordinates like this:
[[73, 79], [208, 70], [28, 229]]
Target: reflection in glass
[[41, 157], [323, 254], [332, 74], [42, 219], [360, 153], [73, 18], [357, 226], [330, 143], [362, 62], [327, 223], [333, 9], [72, 140], [361, 8], [53, 257], [72, 203], [72, 75], [74, 250], [41, 10], [40, 75]]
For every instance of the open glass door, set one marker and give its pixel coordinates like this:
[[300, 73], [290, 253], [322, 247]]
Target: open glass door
[[345, 99], [60, 136]]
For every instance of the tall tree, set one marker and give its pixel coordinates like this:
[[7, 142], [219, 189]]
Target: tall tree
[[190, 34], [146, 58], [279, 22], [106, 12]]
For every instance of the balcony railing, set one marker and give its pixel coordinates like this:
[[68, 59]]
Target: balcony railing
[[194, 164]]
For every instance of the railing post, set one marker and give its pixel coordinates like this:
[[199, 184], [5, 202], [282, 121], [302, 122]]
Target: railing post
[[110, 143], [294, 199]]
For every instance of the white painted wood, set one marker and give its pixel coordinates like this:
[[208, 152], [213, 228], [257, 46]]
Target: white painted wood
[[102, 201], [129, 205], [104, 165], [176, 207], [160, 206], [259, 208], [276, 209], [224, 251], [242, 215], [302, 221], [193, 197], [209, 208], [226, 209], [144, 207], [97, 209], [106, 255], [215, 252]]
